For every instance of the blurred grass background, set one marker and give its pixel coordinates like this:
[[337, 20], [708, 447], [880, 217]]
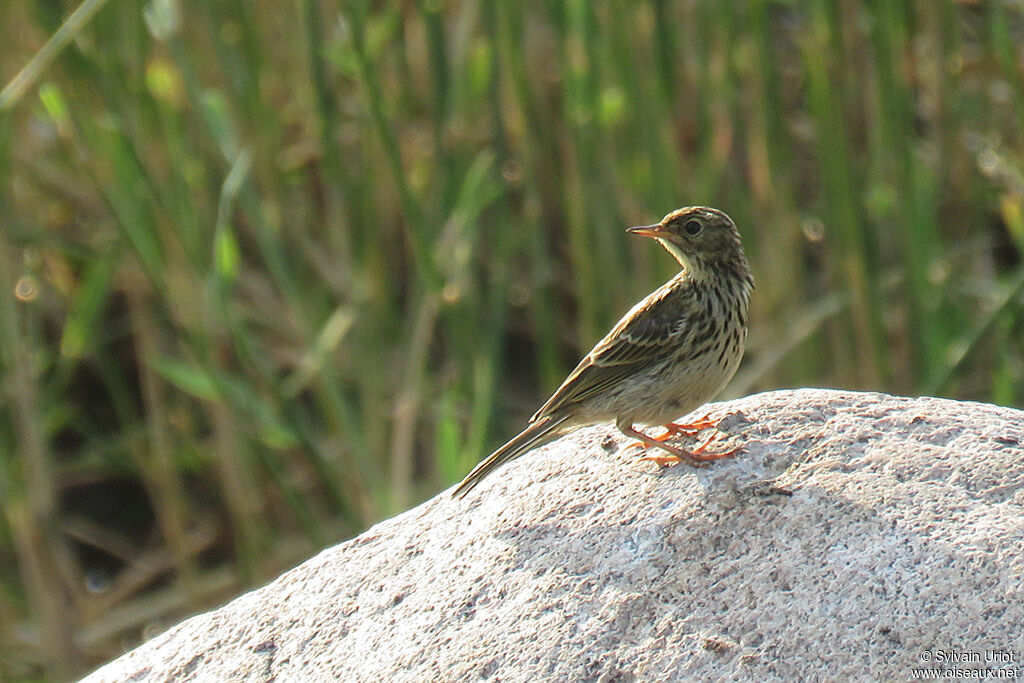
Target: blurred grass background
[[273, 271]]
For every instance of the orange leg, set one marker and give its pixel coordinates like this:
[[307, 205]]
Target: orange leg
[[695, 427], [675, 453], [697, 457], [661, 439]]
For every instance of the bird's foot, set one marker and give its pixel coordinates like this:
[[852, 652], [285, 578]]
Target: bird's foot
[[690, 429], [675, 455], [693, 427], [671, 429], [698, 457]]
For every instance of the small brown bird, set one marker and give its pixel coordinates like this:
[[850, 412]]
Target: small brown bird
[[668, 356]]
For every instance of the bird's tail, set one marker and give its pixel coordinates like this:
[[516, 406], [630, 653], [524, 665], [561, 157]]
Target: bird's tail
[[537, 434]]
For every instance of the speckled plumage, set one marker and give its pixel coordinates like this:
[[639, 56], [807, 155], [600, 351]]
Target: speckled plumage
[[670, 354]]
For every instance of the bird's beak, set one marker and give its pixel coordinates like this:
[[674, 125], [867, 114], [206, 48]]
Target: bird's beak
[[656, 230]]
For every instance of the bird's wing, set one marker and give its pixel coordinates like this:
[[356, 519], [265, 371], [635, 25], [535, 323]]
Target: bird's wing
[[649, 333]]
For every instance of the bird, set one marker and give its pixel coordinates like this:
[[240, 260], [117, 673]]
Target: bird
[[669, 355]]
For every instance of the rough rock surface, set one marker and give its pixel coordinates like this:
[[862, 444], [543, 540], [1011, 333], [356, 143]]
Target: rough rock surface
[[901, 546]]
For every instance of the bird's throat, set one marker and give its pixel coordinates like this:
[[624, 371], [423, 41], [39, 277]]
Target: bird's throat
[[695, 268]]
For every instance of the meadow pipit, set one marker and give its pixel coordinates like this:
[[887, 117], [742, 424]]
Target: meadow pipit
[[669, 355]]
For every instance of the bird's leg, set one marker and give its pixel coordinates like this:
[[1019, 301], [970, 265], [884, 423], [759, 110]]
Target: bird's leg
[[660, 438], [694, 427], [700, 450], [676, 454], [696, 458], [691, 430]]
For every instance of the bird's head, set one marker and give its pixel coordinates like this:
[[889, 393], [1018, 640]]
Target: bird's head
[[705, 241]]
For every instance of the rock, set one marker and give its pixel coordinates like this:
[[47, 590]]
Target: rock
[[901, 546]]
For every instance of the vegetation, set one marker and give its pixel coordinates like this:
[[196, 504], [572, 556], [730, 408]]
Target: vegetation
[[271, 272]]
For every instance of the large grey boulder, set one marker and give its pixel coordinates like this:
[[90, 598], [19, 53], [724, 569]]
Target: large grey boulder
[[901, 546]]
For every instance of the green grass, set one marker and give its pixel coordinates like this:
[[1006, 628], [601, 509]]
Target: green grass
[[273, 273]]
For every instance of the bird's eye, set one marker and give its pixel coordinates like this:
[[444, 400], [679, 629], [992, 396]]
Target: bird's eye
[[693, 227]]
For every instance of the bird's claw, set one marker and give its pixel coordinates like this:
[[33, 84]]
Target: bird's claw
[[698, 457], [694, 427]]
